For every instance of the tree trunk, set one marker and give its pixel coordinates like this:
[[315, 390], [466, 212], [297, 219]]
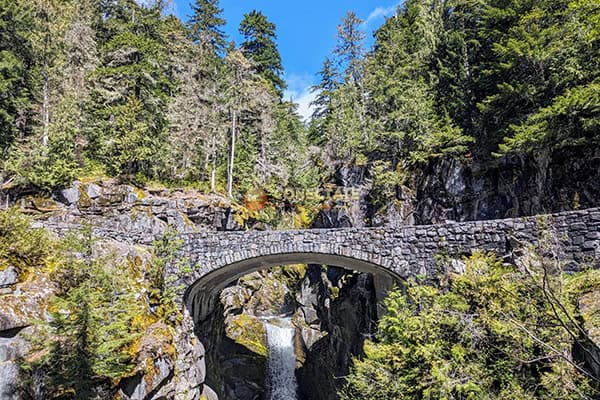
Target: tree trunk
[[213, 175], [232, 155], [45, 77]]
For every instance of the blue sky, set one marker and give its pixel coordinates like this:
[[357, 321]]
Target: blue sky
[[306, 32]]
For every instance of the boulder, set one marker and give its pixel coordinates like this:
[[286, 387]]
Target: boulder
[[70, 196], [93, 191], [208, 394], [155, 364], [9, 277], [12, 348]]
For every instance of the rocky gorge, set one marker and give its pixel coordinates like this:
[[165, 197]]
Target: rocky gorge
[[333, 310]]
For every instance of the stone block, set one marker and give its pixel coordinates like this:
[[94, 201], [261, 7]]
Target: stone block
[[578, 240], [593, 235]]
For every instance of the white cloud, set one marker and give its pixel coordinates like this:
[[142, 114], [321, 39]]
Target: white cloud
[[299, 92], [380, 13]]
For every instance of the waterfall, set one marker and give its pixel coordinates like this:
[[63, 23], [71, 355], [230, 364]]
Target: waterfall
[[281, 365]]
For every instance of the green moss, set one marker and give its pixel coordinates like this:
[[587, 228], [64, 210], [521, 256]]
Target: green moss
[[249, 332], [140, 193], [84, 199]]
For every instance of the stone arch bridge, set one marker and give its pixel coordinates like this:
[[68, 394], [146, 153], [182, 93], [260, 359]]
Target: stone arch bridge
[[214, 260]]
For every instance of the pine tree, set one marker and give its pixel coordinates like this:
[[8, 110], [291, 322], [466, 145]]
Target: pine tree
[[205, 25], [324, 92], [131, 91], [18, 71], [399, 80], [238, 100], [350, 47], [259, 47], [347, 128], [197, 126], [95, 320]]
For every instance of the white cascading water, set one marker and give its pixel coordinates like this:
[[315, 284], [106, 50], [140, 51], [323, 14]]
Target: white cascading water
[[281, 365]]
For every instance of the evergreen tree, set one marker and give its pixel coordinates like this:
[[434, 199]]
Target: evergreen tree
[[197, 131], [239, 100], [324, 91], [96, 318], [18, 71], [131, 91], [350, 47], [205, 25], [259, 47], [402, 88], [347, 128]]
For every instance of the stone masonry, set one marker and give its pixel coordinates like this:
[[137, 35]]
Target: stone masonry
[[215, 260]]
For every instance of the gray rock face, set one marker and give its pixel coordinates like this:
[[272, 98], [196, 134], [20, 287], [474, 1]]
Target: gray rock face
[[348, 315], [25, 304], [563, 180], [209, 394], [13, 346], [130, 215], [190, 365], [9, 277], [160, 376], [9, 376], [235, 337]]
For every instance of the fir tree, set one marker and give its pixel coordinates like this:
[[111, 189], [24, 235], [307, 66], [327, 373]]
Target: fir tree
[[131, 91], [259, 47], [18, 71], [205, 25]]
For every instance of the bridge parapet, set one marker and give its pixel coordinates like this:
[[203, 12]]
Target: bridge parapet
[[218, 258]]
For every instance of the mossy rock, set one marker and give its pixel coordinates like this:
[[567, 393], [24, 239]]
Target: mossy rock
[[589, 306], [249, 332], [43, 204], [84, 200]]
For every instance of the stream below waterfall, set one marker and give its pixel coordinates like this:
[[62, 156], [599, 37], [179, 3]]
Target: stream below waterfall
[[281, 363]]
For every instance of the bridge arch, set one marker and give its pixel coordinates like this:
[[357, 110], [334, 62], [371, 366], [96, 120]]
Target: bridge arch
[[200, 297], [216, 259]]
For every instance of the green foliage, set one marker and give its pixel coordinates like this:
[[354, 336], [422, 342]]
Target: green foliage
[[260, 47], [22, 246], [497, 333], [96, 321], [18, 72], [54, 165], [130, 92], [162, 292], [120, 89], [205, 25]]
